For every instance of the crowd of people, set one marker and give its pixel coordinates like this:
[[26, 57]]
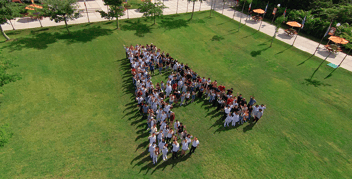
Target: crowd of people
[[182, 87]]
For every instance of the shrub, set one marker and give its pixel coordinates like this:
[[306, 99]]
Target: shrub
[[5, 134]]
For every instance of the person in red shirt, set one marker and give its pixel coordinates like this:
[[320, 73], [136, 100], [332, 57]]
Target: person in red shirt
[[229, 101], [174, 86], [221, 88]]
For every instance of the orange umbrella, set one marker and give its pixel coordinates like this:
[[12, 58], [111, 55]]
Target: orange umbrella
[[259, 11], [29, 8], [294, 24], [36, 6], [338, 40]]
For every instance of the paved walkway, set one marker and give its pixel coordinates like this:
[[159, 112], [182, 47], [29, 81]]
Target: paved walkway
[[93, 5]]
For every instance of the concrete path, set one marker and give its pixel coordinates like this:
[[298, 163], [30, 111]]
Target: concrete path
[[93, 5]]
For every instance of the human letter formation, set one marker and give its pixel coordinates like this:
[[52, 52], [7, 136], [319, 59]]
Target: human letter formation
[[182, 88]]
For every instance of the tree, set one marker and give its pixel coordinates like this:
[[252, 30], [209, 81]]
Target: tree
[[8, 10], [61, 10], [116, 10], [5, 77], [344, 31], [277, 24], [151, 9], [194, 1]]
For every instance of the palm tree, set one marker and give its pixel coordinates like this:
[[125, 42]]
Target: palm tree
[[194, 1]]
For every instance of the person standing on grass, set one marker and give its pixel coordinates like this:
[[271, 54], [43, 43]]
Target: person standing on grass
[[227, 111], [160, 136], [152, 139], [168, 90], [235, 119], [262, 107], [195, 144], [258, 115], [175, 148], [152, 66], [193, 96], [184, 147], [169, 135], [162, 85], [180, 129], [161, 144], [172, 117], [188, 96], [151, 149], [183, 96], [165, 150], [252, 101], [228, 120], [155, 156]]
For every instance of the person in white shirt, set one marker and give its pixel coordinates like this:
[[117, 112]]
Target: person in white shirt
[[258, 115], [161, 144], [168, 90], [235, 118], [151, 149], [176, 124], [175, 148], [169, 135], [195, 144], [227, 110], [155, 156], [160, 136], [228, 120], [165, 150], [184, 147], [262, 107], [152, 138]]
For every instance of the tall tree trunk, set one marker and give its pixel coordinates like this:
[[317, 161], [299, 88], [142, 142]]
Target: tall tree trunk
[[40, 22], [276, 30], [200, 5], [12, 25], [66, 25], [211, 7], [177, 7], [117, 19], [239, 25], [193, 8], [223, 7], [3, 33]]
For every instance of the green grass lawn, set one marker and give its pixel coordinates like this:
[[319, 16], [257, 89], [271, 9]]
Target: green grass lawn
[[73, 114]]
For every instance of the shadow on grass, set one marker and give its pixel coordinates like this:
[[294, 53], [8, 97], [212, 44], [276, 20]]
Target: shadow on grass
[[170, 23], [284, 50], [314, 83], [258, 52], [140, 28], [305, 60], [217, 38], [43, 39]]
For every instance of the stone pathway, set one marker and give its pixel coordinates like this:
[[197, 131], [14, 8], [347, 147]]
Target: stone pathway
[[93, 5]]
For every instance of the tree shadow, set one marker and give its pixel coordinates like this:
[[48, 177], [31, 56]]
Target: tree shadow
[[284, 50], [42, 40], [314, 83], [217, 38], [250, 35], [140, 28], [305, 60], [258, 52], [170, 23]]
